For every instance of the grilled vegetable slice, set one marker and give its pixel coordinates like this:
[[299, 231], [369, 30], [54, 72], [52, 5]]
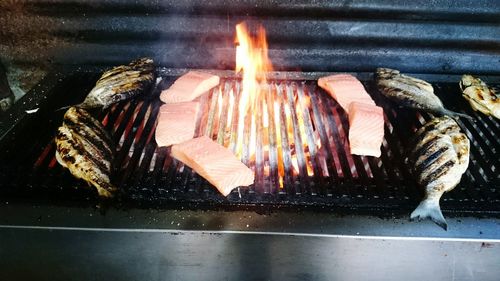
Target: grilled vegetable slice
[[480, 96]]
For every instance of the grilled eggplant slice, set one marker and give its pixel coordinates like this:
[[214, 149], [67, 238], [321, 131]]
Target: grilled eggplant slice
[[121, 83], [84, 147]]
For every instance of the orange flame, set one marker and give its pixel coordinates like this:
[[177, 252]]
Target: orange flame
[[253, 62]]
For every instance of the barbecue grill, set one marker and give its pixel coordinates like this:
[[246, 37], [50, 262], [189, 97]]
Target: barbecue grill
[[309, 190], [318, 169]]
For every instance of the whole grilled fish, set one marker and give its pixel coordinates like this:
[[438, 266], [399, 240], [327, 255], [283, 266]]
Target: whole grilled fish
[[480, 96], [411, 92], [439, 157], [85, 148], [121, 83]]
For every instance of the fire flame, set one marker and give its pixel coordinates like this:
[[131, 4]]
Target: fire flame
[[259, 109], [252, 60]]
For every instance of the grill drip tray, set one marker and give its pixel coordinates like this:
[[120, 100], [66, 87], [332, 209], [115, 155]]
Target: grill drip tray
[[297, 147]]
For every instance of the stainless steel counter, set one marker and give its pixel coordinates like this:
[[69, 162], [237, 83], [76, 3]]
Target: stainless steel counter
[[61, 243]]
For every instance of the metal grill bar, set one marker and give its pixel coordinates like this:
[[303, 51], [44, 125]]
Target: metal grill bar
[[273, 149], [297, 140], [290, 186], [330, 163]]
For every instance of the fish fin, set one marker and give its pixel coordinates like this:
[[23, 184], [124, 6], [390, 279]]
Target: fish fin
[[429, 208], [457, 114]]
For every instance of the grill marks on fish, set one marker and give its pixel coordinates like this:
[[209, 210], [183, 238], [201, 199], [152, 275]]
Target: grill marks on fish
[[430, 156], [90, 136], [411, 92], [480, 96], [438, 126], [439, 171], [439, 157], [84, 147], [80, 146], [92, 131], [121, 83]]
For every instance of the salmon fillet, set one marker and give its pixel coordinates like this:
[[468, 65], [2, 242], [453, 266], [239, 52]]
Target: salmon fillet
[[345, 88], [213, 162], [366, 129], [176, 123], [189, 86]]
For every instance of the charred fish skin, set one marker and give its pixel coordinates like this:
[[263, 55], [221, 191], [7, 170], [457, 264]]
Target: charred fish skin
[[81, 121], [121, 83], [439, 159], [411, 92], [481, 97], [430, 132], [84, 152]]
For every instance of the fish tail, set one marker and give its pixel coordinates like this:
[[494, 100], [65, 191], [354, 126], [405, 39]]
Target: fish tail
[[429, 208], [457, 114]]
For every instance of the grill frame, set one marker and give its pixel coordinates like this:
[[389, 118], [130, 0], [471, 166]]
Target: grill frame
[[379, 203]]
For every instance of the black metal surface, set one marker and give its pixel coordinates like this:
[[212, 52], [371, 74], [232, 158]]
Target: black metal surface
[[148, 177], [443, 36]]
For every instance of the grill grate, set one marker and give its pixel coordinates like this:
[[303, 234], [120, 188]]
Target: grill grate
[[301, 157]]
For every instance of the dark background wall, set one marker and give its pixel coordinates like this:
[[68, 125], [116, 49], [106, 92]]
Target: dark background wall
[[440, 36]]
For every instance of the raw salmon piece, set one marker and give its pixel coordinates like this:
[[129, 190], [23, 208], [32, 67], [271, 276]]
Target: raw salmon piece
[[176, 123], [189, 86], [366, 129], [214, 162], [345, 88]]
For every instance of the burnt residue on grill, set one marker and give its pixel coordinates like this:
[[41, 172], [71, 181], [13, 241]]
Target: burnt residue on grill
[[301, 155]]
